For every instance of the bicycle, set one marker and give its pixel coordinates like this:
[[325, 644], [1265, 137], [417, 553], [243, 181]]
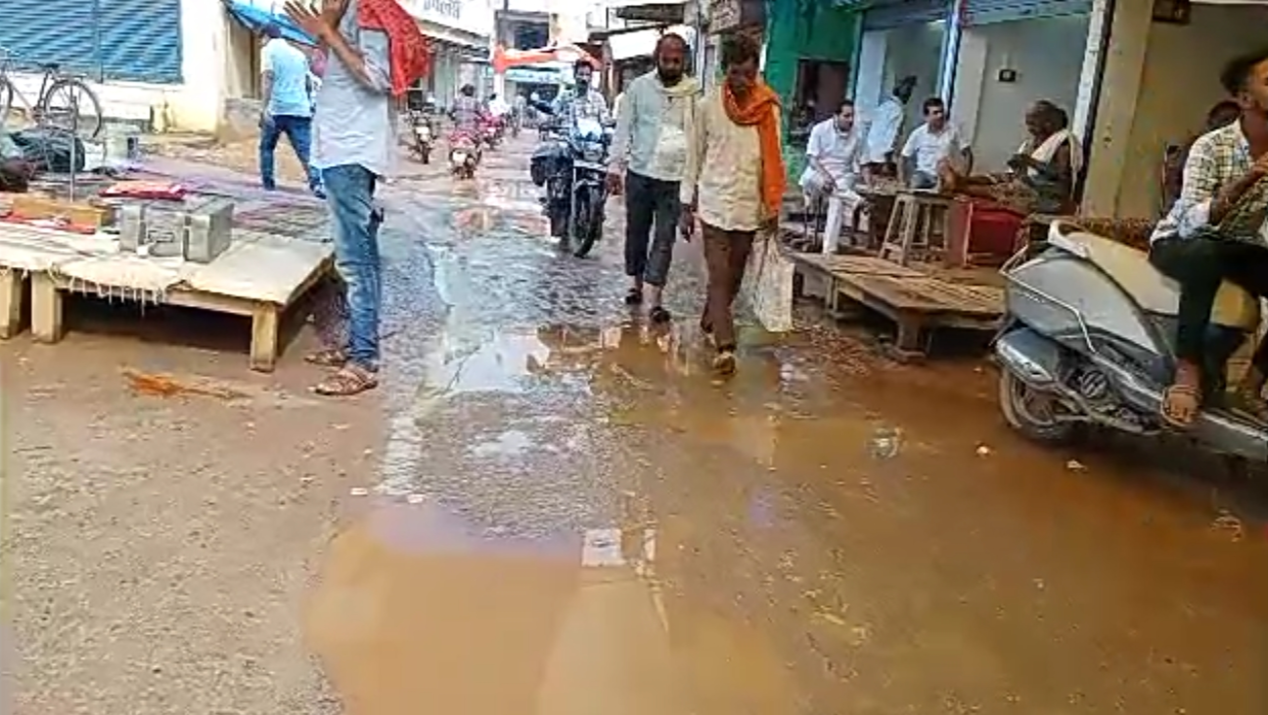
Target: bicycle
[[65, 101]]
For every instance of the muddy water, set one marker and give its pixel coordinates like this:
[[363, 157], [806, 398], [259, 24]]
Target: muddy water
[[570, 516]]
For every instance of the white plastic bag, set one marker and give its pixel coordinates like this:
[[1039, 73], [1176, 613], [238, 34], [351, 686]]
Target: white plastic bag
[[768, 284]]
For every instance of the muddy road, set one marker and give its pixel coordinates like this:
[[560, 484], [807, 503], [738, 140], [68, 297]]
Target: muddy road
[[551, 508]]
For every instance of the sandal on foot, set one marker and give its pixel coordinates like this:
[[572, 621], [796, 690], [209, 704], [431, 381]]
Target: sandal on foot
[[1180, 405], [1244, 403], [634, 297], [724, 363], [349, 380], [659, 315], [330, 357]]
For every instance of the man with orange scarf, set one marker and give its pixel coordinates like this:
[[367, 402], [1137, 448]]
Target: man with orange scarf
[[375, 53], [734, 183]]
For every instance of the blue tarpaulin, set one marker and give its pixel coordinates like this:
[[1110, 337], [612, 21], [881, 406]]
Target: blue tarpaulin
[[256, 15]]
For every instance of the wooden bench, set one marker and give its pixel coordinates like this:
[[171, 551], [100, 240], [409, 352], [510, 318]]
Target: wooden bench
[[914, 300]]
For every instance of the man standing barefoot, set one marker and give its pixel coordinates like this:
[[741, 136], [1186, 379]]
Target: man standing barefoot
[[649, 150], [353, 149], [735, 182]]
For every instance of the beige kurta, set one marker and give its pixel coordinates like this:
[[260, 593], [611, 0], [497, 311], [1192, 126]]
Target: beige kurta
[[724, 167]]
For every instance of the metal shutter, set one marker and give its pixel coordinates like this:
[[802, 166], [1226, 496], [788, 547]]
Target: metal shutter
[[38, 32], [891, 14], [984, 12], [141, 40]]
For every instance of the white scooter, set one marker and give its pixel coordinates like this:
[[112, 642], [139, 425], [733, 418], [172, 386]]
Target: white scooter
[[1088, 339]]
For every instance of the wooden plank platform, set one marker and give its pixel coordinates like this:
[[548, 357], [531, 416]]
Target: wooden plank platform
[[915, 300], [233, 283]]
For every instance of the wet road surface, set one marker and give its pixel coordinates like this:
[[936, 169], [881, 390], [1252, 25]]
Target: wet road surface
[[561, 512]]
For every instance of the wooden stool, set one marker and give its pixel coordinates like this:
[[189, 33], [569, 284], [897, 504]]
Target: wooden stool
[[911, 225]]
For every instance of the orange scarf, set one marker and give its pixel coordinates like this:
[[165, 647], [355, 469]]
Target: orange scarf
[[759, 111]]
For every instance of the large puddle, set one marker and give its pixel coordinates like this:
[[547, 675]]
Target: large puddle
[[571, 516]]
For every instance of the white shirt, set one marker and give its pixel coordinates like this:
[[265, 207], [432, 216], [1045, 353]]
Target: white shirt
[[928, 148], [724, 167], [882, 135], [839, 152], [652, 126], [499, 108]]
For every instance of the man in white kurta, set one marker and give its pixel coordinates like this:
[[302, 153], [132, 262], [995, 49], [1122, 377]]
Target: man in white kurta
[[886, 126], [833, 165]]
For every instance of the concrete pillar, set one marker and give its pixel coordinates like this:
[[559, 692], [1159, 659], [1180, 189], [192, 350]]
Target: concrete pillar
[[970, 74], [869, 85], [1120, 86]]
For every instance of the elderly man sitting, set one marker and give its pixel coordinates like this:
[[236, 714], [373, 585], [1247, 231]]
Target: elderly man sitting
[[833, 167]]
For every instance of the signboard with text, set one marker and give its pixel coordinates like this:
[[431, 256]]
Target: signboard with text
[[472, 16]]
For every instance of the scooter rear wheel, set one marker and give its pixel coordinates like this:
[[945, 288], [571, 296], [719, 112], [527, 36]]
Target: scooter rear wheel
[[1030, 412]]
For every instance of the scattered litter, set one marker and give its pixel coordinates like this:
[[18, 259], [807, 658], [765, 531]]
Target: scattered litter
[[832, 618], [415, 498], [1075, 465], [359, 491], [886, 442], [1226, 522], [169, 386], [1039, 584], [983, 450]]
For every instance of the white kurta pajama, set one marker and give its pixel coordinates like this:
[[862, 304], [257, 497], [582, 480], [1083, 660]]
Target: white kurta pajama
[[841, 154]]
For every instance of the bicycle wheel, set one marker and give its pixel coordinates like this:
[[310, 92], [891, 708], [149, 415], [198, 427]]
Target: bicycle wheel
[[71, 105], [6, 98]]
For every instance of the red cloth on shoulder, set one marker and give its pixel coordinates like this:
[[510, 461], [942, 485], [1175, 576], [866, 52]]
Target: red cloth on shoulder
[[410, 57]]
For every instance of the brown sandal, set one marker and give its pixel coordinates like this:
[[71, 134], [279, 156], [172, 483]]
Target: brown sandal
[[1244, 403], [349, 380], [330, 357], [1180, 405]]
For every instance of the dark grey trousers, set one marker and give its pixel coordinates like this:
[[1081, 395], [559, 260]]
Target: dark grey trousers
[[650, 202]]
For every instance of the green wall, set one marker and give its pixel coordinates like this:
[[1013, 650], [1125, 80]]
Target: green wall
[[804, 29]]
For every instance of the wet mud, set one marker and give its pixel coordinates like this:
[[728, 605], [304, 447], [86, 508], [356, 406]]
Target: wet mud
[[552, 507]]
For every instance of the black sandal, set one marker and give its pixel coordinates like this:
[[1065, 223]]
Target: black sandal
[[659, 315], [634, 297]]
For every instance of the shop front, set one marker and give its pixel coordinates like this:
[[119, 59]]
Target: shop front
[[1156, 87], [902, 38], [1010, 53], [459, 32]]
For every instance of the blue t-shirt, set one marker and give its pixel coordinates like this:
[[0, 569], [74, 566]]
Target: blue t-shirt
[[290, 79]]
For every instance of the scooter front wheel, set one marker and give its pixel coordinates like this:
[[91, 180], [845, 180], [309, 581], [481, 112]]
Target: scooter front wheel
[[1033, 413]]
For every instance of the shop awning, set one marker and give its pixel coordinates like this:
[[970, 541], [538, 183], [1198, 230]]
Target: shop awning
[[643, 42], [255, 15], [504, 58]]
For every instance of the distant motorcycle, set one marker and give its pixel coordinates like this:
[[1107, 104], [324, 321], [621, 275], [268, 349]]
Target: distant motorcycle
[[464, 155], [490, 131], [573, 167], [424, 135]]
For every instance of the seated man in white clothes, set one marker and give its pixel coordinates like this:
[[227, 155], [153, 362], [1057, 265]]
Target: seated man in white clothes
[[933, 142], [833, 155]]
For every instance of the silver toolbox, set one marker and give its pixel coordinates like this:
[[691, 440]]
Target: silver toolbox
[[210, 230], [197, 230]]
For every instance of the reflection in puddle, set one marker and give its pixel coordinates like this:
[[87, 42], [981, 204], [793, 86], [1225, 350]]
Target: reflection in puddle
[[511, 443]]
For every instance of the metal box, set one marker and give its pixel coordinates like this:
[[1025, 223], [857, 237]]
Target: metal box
[[209, 231], [198, 230]]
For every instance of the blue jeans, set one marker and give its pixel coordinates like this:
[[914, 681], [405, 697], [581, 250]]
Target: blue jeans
[[299, 132], [356, 221]]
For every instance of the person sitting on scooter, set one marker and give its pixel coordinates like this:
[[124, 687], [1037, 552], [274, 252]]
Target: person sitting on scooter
[[1216, 232], [465, 111]]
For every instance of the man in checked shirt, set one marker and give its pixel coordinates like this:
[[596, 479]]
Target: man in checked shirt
[[1217, 231]]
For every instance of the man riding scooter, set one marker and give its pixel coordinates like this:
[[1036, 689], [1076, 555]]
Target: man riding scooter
[[1216, 232]]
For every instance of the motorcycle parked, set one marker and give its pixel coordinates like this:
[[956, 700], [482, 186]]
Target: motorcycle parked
[[424, 134], [464, 155], [1088, 340], [573, 168]]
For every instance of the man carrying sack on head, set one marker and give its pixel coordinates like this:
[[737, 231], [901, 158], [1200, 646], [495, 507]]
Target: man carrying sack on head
[[734, 182]]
